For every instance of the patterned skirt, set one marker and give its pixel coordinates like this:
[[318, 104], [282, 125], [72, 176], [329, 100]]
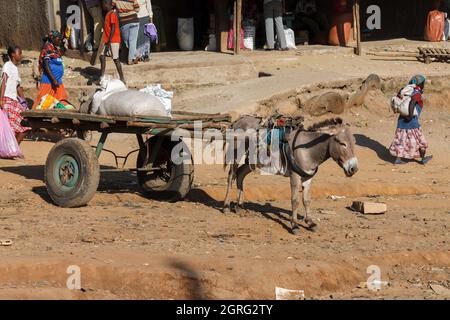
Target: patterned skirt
[[14, 111], [46, 88], [408, 143]]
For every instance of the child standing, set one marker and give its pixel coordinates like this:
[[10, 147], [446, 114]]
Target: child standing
[[111, 37]]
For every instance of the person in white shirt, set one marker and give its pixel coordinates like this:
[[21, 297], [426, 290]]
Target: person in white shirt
[[145, 16], [11, 92]]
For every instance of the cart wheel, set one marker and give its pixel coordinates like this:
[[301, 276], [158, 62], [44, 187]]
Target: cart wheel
[[170, 182], [72, 173]]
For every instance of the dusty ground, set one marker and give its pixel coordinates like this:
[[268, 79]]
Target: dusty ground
[[131, 247]]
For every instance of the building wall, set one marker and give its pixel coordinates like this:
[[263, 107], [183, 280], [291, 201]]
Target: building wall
[[399, 19], [23, 23]]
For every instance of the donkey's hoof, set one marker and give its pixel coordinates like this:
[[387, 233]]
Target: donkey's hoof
[[226, 210], [295, 231], [238, 209], [311, 225]]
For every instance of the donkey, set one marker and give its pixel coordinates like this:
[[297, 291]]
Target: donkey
[[305, 151]]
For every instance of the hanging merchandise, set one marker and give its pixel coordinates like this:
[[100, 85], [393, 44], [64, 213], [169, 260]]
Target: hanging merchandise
[[73, 35], [249, 36], [435, 26], [151, 32], [231, 39], [341, 29], [185, 34], [290, 39], [212, 43]]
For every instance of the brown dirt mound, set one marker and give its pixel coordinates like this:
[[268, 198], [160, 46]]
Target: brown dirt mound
[[319, 191], [165, 278]]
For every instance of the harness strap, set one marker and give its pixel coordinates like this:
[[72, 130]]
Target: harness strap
[[293, 165]]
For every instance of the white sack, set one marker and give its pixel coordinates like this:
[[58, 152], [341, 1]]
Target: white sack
[[164, 96], [185, 34], [132, 103], [108, 87], [290, 39]]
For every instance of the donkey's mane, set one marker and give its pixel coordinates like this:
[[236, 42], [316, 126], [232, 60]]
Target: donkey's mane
[[329, 123]]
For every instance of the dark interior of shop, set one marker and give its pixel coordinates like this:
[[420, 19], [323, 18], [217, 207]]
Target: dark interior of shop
[[311, 24]]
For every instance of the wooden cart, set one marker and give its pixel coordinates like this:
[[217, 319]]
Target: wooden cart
[[72, 170], [428, 55]]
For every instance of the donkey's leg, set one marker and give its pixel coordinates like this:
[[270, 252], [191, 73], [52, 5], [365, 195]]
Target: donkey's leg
[[231, 177], [295, 189], [241, 174], [306, 184]]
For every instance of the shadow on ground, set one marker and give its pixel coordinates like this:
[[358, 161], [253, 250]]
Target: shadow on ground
[[191, 279], [91, 74], [267, 210], [110, 182], [381, 150]]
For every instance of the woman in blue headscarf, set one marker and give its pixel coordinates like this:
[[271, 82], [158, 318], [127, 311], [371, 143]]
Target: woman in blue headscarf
[[409, 141]]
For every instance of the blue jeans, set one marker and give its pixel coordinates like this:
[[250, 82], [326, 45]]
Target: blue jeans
[[130, 34]]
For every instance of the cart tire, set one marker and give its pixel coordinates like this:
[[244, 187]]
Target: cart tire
[[72, 173], [178, 177]]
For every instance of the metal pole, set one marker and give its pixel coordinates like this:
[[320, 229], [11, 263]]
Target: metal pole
[[234, 27], [238, 25], [82, 28]]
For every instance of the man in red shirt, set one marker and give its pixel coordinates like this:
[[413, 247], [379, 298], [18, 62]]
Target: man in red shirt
[[111, 37]]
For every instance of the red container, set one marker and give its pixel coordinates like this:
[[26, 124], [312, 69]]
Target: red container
[[341, 29], [435, 26]]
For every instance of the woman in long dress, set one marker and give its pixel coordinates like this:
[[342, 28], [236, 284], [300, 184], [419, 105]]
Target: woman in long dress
[[11, 91], [52, 66], [409, 141]]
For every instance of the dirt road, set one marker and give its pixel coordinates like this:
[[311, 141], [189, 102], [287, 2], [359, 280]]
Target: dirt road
[[130, 247], [127, 246]]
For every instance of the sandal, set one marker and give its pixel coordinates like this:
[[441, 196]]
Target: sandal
[[425, 160]]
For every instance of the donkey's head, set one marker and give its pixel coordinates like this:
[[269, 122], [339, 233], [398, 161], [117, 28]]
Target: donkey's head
[[342, 150], [342, 144]]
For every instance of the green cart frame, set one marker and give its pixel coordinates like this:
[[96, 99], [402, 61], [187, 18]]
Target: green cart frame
[[72, 170]]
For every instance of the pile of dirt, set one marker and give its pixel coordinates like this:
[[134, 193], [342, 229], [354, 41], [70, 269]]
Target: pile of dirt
[[321, 99], [372, 95]]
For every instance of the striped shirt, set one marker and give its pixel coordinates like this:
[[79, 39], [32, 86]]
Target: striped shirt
[[128, 10]]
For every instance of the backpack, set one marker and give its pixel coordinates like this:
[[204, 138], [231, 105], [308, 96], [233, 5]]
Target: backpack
[[400, 102]]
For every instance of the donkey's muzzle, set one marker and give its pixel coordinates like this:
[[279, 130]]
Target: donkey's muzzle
[[351, 167]]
